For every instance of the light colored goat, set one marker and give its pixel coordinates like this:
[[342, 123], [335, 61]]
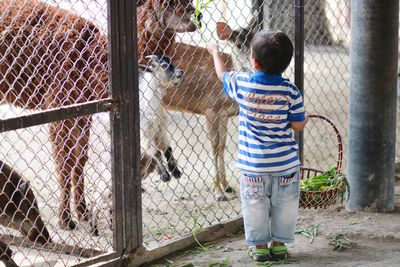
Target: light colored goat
[[153, 81]]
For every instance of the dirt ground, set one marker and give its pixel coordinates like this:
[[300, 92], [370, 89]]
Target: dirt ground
[[377, 237]]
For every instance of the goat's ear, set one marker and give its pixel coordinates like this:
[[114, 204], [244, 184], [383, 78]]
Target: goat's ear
[[23, 186], [143, 68], [224, 32]]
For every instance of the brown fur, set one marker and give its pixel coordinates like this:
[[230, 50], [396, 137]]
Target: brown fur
[[51, 58], [19, 210]]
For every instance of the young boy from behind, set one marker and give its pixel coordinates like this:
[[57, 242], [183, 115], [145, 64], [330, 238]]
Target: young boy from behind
[[271, 107]]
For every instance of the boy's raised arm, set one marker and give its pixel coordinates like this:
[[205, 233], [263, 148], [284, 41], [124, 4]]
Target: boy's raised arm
[[219, 64]]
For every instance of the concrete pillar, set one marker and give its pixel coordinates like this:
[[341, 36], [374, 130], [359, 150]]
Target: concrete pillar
[[372, 105]]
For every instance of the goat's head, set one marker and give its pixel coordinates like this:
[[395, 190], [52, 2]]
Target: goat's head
[[163, 69], [240, 41], [174, 15]]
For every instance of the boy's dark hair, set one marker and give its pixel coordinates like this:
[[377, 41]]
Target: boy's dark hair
[[273, 50]]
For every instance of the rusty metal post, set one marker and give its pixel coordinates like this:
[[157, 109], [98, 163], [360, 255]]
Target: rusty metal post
[[372, 106], [125, 131], [299, 61]]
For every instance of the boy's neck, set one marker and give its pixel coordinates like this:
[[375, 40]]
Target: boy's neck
[[260, 70]]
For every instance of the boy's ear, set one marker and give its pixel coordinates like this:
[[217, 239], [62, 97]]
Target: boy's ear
[[254, 63]]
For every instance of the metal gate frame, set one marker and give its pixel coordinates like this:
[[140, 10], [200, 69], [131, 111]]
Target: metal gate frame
[[123, 107]]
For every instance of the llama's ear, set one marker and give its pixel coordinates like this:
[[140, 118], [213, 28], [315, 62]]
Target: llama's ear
[[254, 24], [224, 32], [140, 2]]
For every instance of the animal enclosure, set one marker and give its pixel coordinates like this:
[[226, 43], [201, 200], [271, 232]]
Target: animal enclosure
[[71, 127]]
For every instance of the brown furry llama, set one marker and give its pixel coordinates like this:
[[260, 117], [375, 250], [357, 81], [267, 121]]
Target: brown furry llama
[[50, 57]]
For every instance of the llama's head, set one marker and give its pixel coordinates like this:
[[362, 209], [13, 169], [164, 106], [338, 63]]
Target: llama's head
[[173, 15], [240, 41], [163, 70]]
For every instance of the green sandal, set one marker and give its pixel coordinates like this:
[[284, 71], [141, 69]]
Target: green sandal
[[259, 254], [279, 252]]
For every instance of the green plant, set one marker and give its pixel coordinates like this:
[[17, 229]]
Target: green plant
[[310, 232], [200, 6], [328, 180], [340, 242], [158, 232], [279, 262], [219, 263]]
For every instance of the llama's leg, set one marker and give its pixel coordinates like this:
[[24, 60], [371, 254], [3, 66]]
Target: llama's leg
[[80, 133], [213, 127], [223, 129], [59, 132]]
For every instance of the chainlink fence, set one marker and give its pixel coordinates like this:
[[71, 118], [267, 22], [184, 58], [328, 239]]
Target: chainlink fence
[[51, 58]]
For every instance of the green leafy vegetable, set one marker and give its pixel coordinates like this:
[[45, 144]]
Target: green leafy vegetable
[[200, 6], [328, 180]]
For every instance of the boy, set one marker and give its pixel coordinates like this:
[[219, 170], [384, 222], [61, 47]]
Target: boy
[[270, 108]]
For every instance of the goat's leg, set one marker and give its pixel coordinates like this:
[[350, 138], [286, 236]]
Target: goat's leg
[[5, 255], [80, 133], [161, 141], [62, 144], [161, 170], [172, 164], [154, 135], [214, 134]]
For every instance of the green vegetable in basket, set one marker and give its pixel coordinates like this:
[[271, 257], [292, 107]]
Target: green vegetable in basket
[[328, 180]]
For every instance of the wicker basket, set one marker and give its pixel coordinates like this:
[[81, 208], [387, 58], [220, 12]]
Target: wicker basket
[[323, 198]]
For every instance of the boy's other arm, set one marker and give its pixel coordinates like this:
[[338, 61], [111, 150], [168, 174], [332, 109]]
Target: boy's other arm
[[298, 126], [219, 63]]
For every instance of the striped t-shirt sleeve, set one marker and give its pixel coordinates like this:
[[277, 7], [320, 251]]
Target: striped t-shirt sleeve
[[296, 110], [229, 80]]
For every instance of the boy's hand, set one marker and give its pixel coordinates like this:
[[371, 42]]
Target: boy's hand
[[212, 47]]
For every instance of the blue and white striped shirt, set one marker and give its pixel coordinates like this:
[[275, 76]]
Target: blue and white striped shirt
[[268, 103]]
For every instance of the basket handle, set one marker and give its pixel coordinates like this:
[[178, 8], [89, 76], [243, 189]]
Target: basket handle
[[338, 136]]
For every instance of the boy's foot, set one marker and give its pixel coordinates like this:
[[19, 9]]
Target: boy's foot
[[259, 254], [279, 252]]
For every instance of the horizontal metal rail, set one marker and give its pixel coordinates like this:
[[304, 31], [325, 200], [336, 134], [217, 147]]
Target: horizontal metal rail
[[53, 247], [57, 114]]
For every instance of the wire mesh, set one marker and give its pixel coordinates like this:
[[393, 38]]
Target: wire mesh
[[193, 196], [53, 55]]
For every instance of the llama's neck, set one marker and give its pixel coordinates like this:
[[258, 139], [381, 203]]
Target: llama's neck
[[153, 39]]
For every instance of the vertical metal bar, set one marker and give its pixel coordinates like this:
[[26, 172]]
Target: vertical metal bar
[[258, 9], [372, 106], [125, 133], [299, 61]]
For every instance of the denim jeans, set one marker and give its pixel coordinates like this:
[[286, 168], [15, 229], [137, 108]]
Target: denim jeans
[[270, 204]]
